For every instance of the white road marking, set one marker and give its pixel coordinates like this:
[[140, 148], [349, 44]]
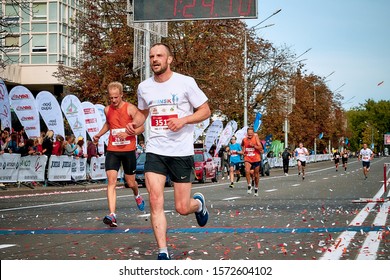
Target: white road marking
[[336, 251], [3, 246], [231, 198], [371, 244]]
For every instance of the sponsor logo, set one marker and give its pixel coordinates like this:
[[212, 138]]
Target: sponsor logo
[[46, 106], [23, 108], [20, 96], [27, 118]]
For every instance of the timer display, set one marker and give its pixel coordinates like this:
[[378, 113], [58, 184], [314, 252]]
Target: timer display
[[168, 10]]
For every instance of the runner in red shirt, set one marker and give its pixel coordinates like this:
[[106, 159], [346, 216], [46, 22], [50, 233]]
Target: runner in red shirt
[[253, 149]]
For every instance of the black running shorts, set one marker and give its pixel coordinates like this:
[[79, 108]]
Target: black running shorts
[[179, 169], [127, 159]]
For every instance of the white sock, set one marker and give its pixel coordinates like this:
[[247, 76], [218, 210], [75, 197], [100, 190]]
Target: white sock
[[163, 250]]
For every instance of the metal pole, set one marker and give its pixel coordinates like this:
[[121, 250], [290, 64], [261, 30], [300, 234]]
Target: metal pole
[[246, 66], [147, 74], [245, 82], [286, 132]]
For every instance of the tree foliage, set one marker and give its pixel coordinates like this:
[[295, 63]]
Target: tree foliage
[[106, 51], [213, 53], [368, 123]]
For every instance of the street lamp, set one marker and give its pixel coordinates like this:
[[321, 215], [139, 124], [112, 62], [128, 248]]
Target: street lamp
[[290, 100], [315, 117], [246, 65]]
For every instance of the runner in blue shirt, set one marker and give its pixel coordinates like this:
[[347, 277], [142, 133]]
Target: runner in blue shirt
[[235, 160]]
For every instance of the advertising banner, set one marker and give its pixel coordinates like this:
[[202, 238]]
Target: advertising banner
[[23, 103], [104, 139], [5, 107], [212, 133], [74, 113], [199, 128], [51, 113], [92, 123], [60, 168], [9, 167], [241, 134], [226, 134], [97, 168], [79, 169], [32, 169]]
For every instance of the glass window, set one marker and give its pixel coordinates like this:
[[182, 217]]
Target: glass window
[[39, 27], [25, 27], [25, 59], [25, 44], [39, 43], [39, 11], [53, 47], [38, 59], [11, 11], [53, 59], [12, 41], [52, 27], [53, 11], [13, 58]]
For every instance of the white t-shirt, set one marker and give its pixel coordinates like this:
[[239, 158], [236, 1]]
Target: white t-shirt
[[175, 98], [300, 154], [365, 154]]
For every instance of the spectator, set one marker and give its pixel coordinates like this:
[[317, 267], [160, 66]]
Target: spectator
[[92, 151], [12, 144], [79, 152], [69, 145], [38, 146], [27, 149], [47, 143], [58, 148], [4, 139], [22, 136]]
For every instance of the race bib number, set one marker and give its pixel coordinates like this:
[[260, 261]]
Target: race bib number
[[250, 152], [115, 140], [160, 116]]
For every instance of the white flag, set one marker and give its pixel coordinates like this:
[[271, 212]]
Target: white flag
[[74, 113], [5, 107], [25, 107], [241, 134], [226, 134], [200, 127], [104, 139], [212, 133], [51, 113]]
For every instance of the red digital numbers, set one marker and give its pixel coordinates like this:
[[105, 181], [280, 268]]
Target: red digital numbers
[[211, 9]]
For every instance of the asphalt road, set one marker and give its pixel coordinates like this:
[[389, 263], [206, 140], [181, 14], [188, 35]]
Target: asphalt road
[[291, 219]]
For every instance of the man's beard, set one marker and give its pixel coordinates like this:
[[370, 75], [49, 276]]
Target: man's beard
[[161, 71]]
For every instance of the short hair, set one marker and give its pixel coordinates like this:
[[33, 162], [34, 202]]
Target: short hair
[[166, 47], [115, 84]]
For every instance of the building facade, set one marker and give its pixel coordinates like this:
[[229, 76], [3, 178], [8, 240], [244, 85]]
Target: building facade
[[38, 38]]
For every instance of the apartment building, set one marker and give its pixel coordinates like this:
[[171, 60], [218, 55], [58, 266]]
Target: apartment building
[[38, 40]]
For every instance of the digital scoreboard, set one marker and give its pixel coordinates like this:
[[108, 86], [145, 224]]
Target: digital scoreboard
[[168, 10]]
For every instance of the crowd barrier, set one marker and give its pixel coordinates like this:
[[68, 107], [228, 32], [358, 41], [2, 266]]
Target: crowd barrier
[[14, 168], [278, 161]]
